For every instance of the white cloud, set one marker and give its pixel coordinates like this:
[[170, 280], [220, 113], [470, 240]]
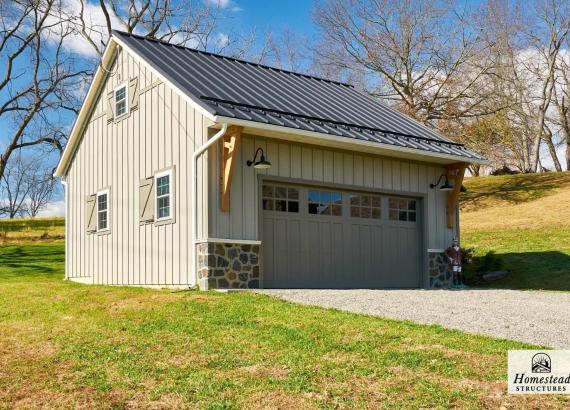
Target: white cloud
[[224, 4], [222, 40], [219, 3], [56, 208], [95, 26]]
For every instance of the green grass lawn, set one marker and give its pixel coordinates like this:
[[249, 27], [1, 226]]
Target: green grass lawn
[[522, 219], [64, 344], [538, 258]]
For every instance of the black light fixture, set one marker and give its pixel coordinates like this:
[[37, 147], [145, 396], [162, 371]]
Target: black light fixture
[[446, 186], [262, 163]]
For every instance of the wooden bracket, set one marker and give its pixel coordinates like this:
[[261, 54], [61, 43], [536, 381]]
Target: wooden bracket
[[455, 173], [230, 147]]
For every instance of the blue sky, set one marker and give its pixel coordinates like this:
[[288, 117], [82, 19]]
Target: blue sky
[[268, 15], [264, 16], [275, 15]]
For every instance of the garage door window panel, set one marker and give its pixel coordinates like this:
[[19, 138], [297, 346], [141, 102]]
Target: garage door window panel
[[325, 203], [280, 198], [402, 209], [365, 206]]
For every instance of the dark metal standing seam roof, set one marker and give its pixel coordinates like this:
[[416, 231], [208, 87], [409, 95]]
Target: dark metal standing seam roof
[[238, 89]]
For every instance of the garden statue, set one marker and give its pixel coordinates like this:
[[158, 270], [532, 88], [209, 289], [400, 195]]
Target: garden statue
[[454, 254]]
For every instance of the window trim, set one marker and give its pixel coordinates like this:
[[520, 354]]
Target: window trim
[[124, 85], [102, 192], [171, 184]]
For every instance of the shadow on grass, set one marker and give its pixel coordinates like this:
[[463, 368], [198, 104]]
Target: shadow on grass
[[548, 270], [31, 260], [514, 189]]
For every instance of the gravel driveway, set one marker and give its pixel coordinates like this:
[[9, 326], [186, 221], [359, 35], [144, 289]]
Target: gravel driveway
[[541, 318]]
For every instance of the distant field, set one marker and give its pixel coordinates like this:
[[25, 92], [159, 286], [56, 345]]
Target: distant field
[[523, 219], [39, 229]]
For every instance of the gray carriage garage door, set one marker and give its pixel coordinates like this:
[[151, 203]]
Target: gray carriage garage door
[[316, 237]]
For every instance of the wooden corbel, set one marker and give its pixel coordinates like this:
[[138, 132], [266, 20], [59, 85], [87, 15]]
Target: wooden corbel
[[230, 144], [455, 173]]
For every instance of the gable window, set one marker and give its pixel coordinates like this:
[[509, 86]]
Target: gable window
[[163, 184], [103, 211], [121, 101]]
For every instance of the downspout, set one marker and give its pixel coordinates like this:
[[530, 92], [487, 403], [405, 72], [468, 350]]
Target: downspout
[[195, 157], [65, 223]]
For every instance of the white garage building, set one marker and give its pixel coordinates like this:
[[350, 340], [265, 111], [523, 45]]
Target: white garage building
[[186, 168]]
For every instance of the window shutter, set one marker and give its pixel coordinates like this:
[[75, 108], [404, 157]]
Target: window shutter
[[146, 200], [110, 108], [134, 93], [90, 214]]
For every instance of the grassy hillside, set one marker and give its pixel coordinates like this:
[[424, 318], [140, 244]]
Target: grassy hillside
[[25, 230], [66, 345], [523, 220]]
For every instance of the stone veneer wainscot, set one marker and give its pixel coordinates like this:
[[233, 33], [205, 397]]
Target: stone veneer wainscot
[[228, 265], [440, 276]]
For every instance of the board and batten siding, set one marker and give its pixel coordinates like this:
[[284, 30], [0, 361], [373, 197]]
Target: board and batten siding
[[162, 132], [318, 165]]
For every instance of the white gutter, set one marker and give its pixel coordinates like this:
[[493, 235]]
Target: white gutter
[[194, 190]]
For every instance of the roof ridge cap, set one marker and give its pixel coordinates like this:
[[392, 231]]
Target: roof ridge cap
[[237, 60]]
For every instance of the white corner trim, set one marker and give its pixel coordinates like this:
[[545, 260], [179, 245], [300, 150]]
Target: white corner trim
[[346, 141], [436, 250], [235, 241]]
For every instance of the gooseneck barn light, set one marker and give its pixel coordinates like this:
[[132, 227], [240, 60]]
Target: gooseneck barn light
[[446, 186], [262, 163]]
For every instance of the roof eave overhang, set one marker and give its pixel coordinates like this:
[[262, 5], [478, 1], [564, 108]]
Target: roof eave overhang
[[333, 141]]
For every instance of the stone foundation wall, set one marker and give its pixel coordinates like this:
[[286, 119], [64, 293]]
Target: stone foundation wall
[[228, 266], [440, 276]]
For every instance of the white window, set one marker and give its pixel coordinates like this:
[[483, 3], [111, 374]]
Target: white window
[[121, 100], [163, 183], [103, 211]]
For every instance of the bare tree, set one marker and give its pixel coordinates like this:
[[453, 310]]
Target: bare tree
[[39, 77], [427, 57], [42, 75], [561, 118], [547, 37], [192, 23], [41, 189], [15, 187], [284, 49]]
